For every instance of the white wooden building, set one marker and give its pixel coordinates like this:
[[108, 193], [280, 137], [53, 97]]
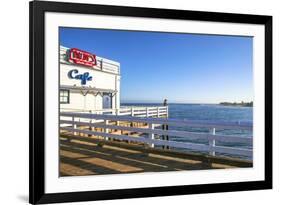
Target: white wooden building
[[92, 85]]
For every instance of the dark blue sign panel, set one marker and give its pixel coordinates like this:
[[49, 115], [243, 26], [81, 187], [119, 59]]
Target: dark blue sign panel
[[74, 74]]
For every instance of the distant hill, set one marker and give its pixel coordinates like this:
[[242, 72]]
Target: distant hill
[[242, 104]]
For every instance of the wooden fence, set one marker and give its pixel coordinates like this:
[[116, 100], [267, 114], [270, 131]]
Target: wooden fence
[[135, 111], [76, 122]]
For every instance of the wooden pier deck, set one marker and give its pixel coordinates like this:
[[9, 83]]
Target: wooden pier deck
[[80, 155]]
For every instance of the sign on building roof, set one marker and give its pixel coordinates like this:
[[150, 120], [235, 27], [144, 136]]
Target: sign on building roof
[[80, 57]]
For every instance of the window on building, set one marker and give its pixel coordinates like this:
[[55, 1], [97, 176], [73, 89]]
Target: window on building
[[64, 96]]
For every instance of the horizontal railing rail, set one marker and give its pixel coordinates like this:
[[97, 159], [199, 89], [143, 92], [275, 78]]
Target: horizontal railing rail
[[76, 123], [176, 122], [134, 111]]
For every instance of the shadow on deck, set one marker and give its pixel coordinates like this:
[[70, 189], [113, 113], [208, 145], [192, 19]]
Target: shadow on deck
[[89, 156]]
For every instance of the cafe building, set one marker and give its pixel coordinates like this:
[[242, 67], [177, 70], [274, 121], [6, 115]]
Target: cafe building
[[88, 82]]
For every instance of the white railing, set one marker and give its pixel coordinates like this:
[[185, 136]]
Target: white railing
[[76, 123], [161, 111]]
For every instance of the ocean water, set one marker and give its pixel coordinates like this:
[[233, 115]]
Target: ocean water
[[210, 112]]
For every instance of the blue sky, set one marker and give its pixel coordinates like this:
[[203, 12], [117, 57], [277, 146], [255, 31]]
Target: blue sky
[[183, 68]]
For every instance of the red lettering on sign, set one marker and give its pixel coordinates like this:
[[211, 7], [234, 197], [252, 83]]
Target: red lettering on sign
[[82, 57]]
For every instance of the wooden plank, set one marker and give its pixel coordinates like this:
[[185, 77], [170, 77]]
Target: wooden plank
[[72, 154], [112, 165], [71, 170], [232, 150], [177, 159]]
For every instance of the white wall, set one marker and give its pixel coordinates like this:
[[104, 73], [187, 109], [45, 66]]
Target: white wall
[[102, 80], [14, 101], [99, 79]]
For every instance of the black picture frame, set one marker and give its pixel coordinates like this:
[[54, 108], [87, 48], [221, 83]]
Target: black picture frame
[[37, 10]]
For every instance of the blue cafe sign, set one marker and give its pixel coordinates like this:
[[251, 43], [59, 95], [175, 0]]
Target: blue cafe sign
[[84, 77]]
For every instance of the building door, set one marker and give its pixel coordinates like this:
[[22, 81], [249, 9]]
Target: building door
[[107, 101]]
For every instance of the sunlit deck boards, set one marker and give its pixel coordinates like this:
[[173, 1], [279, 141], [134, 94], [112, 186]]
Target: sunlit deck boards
[[85, 156]]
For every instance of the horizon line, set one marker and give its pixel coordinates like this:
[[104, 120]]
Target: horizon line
[[173, 102]]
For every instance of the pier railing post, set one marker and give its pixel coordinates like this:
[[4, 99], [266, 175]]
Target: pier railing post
[[165, 137], [147, 112], [106, 129], [74, 126], [132, 111], [151, 135], [117, 113], [91, 121], [79, 133], [212, 142]]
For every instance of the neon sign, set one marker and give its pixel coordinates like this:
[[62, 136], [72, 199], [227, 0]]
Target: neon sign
[[82, 57], [74, 74]]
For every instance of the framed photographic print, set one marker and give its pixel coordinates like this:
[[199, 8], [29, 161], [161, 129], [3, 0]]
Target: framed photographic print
[[140, 102]]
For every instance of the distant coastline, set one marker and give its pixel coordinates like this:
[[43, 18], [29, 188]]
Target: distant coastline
[[241, 104]]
